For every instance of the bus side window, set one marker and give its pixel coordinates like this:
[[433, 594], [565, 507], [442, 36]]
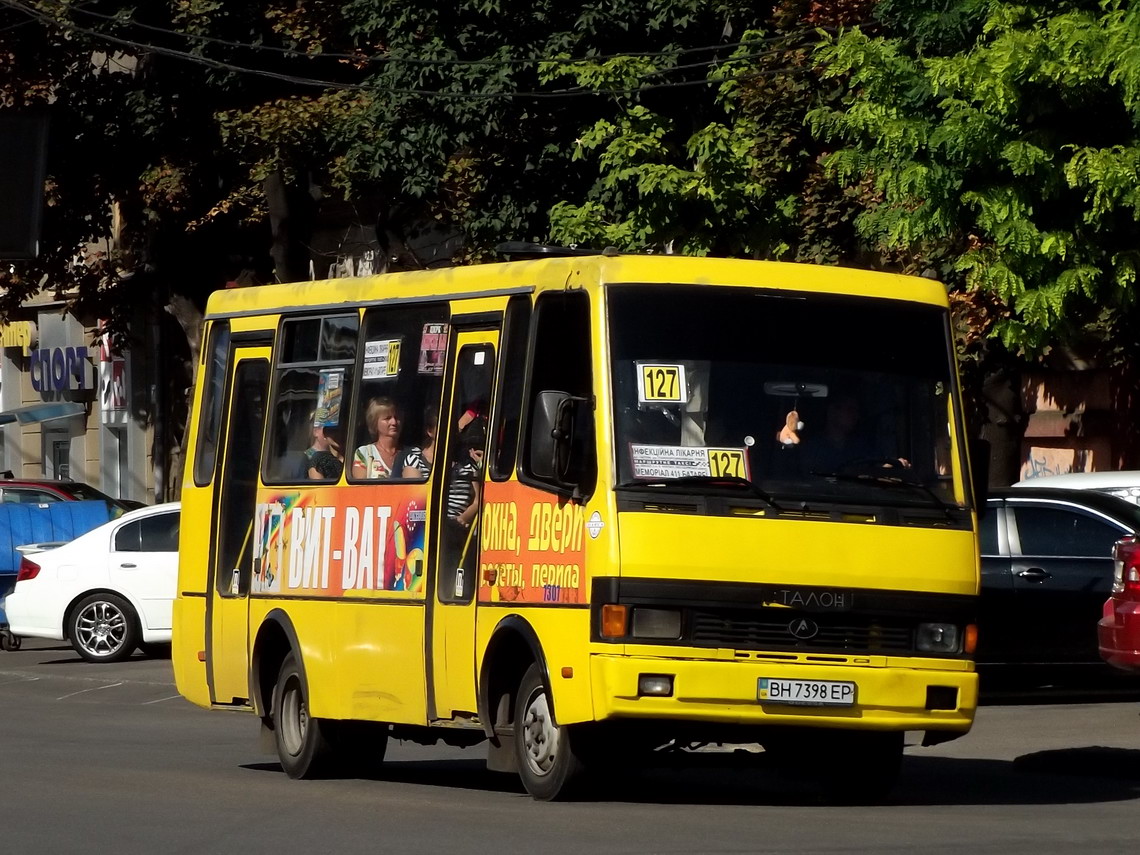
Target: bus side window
[[512, 374], [560, 362], [217, 357], [403, 355], [309, 409]]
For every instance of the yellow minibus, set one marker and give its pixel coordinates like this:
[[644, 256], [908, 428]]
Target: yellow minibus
[[580, 507]]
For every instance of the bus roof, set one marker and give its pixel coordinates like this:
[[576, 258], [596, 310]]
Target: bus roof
[[576, 271]]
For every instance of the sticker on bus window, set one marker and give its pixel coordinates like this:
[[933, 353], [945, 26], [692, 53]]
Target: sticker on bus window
[[664, 462], [329, 397], [381, 359], [661, 383], [433, 349]]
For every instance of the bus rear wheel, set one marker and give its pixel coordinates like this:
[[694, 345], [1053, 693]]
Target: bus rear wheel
[[548, 764], [303, 747]]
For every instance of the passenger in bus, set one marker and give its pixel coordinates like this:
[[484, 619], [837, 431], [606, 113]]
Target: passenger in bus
[[382, 458], [324, 458], [466, 474], [418, 459]]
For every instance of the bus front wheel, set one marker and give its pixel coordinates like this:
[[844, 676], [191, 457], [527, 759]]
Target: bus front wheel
[[302, 746], [547, 762]]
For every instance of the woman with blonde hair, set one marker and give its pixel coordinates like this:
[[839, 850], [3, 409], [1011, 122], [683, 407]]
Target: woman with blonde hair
[[382, 458]]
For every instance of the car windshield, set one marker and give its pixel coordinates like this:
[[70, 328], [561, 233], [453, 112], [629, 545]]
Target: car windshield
[[807, 396]]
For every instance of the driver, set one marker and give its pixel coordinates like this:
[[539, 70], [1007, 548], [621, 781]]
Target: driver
[[845, 438]]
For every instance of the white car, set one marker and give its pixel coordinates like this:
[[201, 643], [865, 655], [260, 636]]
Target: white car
[[108, 591], [1125, 484]]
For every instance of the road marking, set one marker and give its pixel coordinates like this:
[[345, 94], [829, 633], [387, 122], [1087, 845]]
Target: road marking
[[20, 680], [95, 689], [160, 700]]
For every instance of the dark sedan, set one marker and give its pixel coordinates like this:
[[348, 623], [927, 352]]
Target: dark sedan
[[1046, 572]]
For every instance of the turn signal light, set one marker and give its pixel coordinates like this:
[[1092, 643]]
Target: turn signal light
[[28, 570], [970, 639], [614, 619]]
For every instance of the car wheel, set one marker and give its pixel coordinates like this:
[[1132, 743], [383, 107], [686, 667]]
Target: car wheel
[[103, 628], [303, 747], [548, 764]]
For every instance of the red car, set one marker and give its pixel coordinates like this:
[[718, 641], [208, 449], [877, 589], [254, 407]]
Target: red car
[[37, 491], [1118, 631]]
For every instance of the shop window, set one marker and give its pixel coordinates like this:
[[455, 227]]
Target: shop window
[[397, 403], [313, 379]]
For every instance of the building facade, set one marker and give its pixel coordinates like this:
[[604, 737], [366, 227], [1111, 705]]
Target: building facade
[[73, 409]]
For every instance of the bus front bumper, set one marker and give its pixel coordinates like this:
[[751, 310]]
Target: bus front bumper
[[888, 697]]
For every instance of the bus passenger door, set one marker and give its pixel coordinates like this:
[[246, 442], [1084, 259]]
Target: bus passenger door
[[455, 523], [227, 638]]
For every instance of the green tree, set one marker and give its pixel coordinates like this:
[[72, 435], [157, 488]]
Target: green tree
[[726, 166], [216, 135], [1001, 144]]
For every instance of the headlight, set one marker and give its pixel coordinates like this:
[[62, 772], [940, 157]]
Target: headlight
[[656, 623], [938, 638]]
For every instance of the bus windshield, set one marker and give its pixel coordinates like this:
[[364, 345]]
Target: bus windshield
[[801, 396]]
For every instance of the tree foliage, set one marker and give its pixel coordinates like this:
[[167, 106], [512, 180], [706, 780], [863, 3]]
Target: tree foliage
[[990, 143], [728, 167], [414, 114], [1001, 142]]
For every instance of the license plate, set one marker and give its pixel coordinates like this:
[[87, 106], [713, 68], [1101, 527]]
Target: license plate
[[815, 693]]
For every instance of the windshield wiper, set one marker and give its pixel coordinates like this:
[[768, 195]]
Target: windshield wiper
[[711, 480], [891, 482]]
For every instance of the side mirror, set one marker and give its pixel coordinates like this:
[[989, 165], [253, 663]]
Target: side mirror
[[556, 436], [980, 473]]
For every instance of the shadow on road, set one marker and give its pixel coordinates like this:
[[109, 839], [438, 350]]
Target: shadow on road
[[53, 653], [1057, 686], [1085, 775]]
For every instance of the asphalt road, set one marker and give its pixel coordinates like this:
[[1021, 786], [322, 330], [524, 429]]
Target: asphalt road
[[102, 758]]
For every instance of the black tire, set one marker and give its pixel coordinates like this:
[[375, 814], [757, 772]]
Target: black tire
[[9, 641], [303, 747], [103, 628], [548, 764]]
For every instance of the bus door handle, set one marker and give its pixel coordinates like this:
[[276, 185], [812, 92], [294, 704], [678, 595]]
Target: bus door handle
[[1035, 574], [128, 566]]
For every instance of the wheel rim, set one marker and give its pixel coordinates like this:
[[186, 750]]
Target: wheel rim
[[540, 734], [101, 628], [294, 717]]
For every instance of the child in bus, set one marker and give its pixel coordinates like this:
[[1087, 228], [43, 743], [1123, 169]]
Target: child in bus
[[323, 457]]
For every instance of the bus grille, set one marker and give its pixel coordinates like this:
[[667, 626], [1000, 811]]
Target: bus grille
[[770, 629]]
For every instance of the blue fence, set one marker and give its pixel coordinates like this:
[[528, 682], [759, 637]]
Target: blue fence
[[25, 523]]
